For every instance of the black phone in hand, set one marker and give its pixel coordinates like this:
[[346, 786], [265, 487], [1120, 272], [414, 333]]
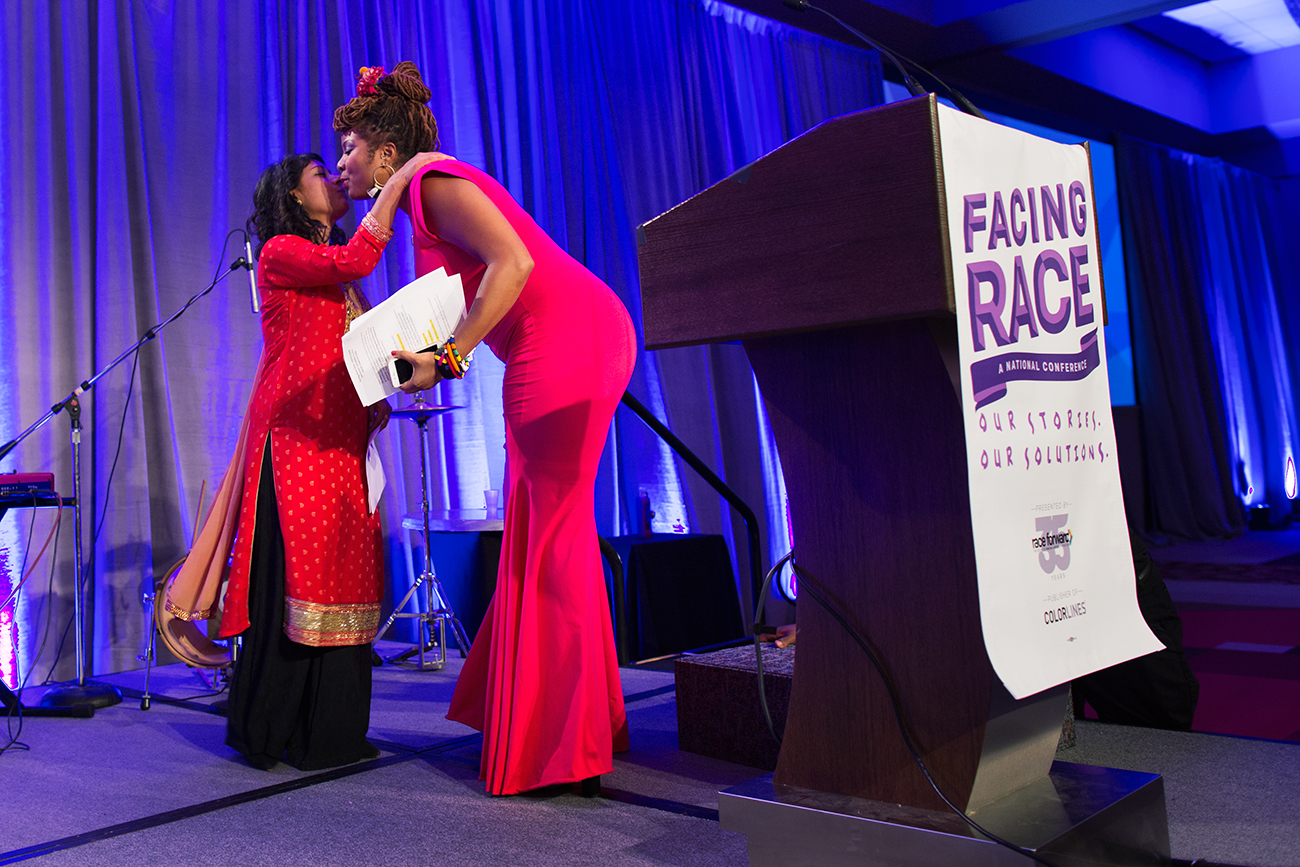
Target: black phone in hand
[[401, 370]]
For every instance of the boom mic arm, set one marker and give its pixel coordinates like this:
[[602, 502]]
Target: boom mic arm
[[913, 86]]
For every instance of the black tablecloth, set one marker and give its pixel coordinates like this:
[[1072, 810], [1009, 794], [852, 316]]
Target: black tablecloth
[[679, 590], [680, 593]]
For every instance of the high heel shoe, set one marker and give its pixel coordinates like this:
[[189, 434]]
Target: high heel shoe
[[591, 787]]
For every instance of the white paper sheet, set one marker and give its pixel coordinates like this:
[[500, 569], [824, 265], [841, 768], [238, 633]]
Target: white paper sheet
[[376, 481], [422, 313], [1056, 585]]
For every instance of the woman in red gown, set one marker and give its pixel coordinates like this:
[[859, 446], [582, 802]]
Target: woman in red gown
[[305, 565], [541, 681]]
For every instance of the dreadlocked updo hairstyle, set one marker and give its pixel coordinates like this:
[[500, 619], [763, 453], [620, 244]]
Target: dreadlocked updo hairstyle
[[392, 110], [277, 212]]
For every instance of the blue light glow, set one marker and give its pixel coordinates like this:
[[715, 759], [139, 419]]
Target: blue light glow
[[9, 542], [1253, 26]]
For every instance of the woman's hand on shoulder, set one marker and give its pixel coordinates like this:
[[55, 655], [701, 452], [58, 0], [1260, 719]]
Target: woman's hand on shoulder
[[419, 161]]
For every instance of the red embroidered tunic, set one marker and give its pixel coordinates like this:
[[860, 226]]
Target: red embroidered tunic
[[305, 407]]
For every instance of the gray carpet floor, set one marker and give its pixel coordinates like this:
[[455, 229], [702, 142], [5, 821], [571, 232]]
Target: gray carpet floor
[[1229, 800], [129, 786]]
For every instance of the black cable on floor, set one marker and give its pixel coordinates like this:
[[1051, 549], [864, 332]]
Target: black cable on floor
[[190, 702]]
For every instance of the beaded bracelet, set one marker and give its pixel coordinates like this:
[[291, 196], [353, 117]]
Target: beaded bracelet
[[371, 225], [444, 369], [450, 363], [461, 363]]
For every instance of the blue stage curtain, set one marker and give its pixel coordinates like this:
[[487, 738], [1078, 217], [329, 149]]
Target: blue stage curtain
[[1212, 292], [142, 129]]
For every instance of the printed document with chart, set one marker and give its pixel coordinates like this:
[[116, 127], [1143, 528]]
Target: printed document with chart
[[422, 313]]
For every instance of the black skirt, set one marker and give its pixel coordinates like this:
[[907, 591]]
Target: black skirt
[[308, 706]]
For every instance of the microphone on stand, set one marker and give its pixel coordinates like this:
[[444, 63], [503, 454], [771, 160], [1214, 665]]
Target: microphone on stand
[[252, 275], [246, 262], [913, 86]]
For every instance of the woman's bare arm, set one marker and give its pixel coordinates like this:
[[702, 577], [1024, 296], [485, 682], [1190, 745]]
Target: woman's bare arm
[[459, 212]]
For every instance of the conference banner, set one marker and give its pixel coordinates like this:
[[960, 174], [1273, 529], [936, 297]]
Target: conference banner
[[1057, 592]]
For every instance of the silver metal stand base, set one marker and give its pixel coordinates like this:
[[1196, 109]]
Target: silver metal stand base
[[72, 694], [1077, 816], [436, 623]]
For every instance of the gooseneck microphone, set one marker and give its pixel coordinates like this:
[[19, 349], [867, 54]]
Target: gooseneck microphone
[[913, 86], [252, 275]]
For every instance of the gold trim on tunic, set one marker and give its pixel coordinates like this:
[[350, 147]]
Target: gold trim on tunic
[[319, 625], [182, 614]]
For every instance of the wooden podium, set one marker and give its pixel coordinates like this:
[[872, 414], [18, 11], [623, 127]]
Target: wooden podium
[[829, 259]]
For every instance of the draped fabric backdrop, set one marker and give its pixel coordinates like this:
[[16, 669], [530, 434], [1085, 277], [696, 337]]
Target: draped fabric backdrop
[[1215, 292], [137, 130]]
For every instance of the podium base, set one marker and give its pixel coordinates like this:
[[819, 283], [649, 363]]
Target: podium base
[[71, 694], [1077, 816]]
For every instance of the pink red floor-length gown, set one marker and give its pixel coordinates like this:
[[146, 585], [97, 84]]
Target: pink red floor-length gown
[[541, 681]]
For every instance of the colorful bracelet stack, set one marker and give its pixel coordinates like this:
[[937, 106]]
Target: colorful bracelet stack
[[371, 225], [450, 363]]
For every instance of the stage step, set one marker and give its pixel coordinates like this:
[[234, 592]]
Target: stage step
[[718, 713]]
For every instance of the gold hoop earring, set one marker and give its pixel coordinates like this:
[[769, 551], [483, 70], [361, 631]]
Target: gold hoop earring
[[378, 187]]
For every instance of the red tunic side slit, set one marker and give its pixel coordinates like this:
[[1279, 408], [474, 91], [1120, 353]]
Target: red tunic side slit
[[304, 407]]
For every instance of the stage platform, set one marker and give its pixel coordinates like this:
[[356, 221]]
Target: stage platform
[[132, 786]]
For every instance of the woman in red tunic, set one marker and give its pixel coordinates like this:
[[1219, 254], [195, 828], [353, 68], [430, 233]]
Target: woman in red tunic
[[306, 570], [541, 681]]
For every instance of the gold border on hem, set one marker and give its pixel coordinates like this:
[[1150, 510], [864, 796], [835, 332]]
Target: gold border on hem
[[321, 625], [182, 614]]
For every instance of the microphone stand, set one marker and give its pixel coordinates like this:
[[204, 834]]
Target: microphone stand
[[84, 691], [913, 86]]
